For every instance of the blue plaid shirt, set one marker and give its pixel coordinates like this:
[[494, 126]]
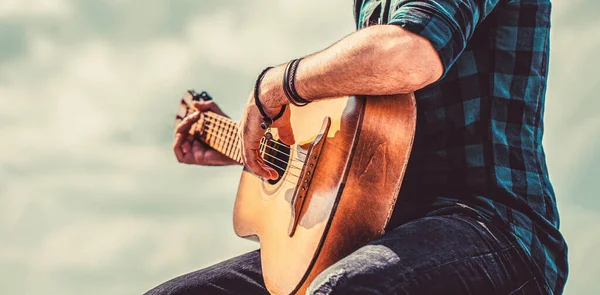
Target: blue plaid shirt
[[479, 132]]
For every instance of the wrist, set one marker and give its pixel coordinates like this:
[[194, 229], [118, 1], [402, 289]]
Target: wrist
[[272, 94]]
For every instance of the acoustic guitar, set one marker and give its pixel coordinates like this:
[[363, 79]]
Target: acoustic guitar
[[337, 185]]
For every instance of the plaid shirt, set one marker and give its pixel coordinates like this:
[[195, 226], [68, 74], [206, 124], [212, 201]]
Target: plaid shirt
[[479, 132]]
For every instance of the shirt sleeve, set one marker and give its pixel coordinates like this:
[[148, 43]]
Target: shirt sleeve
[[447, 24]]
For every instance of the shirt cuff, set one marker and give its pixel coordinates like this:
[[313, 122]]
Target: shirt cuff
[[431, 21]]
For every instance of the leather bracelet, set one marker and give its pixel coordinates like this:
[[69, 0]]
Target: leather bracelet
[[295, 94], [289, 87], [285, 84], [267, 121]]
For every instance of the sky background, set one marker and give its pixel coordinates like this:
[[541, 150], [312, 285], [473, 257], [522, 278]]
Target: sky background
[[92, 200]]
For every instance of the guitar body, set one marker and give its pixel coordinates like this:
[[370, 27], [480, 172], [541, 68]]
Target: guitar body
[[349, 199]]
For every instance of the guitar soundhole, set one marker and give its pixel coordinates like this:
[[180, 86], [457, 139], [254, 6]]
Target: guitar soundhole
[[277, 156]]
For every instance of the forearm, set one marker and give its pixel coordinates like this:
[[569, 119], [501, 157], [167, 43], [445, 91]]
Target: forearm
[[378, 60]]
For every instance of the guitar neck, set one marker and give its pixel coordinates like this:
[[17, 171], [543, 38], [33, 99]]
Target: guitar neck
[[220, 133]]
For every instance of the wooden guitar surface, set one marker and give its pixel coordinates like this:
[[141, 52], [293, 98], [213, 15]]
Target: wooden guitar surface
[[351, 196]]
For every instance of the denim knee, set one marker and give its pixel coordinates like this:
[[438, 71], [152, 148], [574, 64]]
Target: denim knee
[[352, 275]]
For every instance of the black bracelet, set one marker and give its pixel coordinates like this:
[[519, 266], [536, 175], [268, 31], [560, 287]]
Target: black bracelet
[[267, 121], [286, 85], [293, 82], [289, 87]]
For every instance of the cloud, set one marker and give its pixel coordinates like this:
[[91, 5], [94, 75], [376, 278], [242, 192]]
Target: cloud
[[34, 8], [91, 198], [582, 245]]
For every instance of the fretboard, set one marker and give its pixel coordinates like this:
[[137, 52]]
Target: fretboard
[[220, 133]]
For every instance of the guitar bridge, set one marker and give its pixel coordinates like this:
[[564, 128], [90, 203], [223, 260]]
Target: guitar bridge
[[306, 176]]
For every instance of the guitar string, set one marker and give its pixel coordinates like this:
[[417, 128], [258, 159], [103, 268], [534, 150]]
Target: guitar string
[[219, 120], [270, 147], [291, 148], [289, 181], [289, 173], [262, 144], [290, 165], [222, 138], [223, 141], [233, 124]]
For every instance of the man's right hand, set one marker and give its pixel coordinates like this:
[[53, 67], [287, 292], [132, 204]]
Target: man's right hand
[[189, 150]]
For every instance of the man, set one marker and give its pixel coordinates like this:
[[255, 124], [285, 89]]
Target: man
[[477, 212]]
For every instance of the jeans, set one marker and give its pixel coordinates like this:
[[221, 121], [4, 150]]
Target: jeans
[[447, 254]]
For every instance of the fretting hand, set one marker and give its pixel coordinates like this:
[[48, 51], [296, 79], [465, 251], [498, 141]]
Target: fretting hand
[[189, 150]]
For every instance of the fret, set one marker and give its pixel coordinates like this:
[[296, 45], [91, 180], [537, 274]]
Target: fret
[[232, 135], [215, 132], [234, 144], [226, 136], [234, 141], [237, 150], [236, 147], [209, 132], [211, 138], [226, 127], [229, 141], [222, 135], [208, 139], [219, 136]]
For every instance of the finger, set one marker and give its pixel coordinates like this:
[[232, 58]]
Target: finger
[[204, 106], [272, 172], [257, 166], [177, 147], [198, 152], [250, 160], [184, 126], [186, 147], [253, 160], [286, 134]]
